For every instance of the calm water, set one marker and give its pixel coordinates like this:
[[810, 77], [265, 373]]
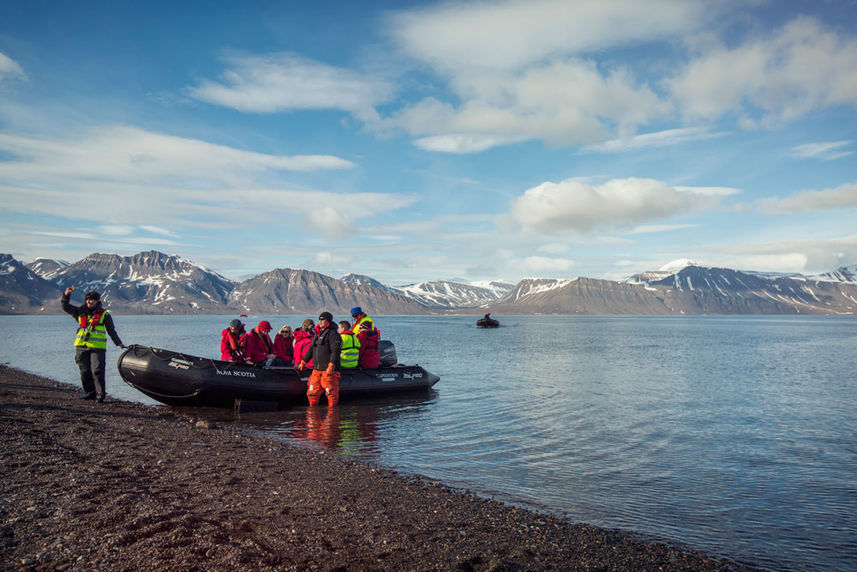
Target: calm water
[[735, 435]]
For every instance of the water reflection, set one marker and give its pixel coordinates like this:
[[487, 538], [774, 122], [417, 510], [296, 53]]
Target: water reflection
[[358, 430]]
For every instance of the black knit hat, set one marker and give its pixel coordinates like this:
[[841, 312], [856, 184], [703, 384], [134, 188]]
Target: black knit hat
[[93, 296]]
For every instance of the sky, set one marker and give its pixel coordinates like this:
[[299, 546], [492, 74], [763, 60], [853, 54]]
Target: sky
[[415, 141]]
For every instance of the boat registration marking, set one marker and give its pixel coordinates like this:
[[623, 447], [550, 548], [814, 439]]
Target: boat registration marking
[[236, 373]]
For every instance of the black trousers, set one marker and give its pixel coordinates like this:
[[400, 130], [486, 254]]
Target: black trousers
[[91, 363]]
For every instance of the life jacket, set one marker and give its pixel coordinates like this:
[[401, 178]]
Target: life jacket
[[91, 332], [349, 355], [230, 345], [363, 324]]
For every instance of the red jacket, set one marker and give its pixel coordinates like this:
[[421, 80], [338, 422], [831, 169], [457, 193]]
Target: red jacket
[[302, 341], [284, 347], [230, 346], [370, 354], [257, 346]]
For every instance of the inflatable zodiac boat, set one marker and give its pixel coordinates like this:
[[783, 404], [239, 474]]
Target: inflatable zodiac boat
[[179, 379]]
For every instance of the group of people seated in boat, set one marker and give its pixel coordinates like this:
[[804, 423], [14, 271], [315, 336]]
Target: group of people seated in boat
[[360, 342]]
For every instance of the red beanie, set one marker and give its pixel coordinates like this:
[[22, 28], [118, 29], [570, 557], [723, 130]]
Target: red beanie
[[264, 326]]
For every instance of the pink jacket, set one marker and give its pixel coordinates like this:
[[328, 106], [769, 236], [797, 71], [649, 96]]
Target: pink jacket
[[302, 342]]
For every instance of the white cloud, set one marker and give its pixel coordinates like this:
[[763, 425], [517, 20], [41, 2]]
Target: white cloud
[[827, 151], [575, 205], [651, 228], [116, 229], [132, 154], [66, 234], [540, 265], [456, 143], [9, 68], [554, 248], [331, 222], [667, 138], [157, 230], [328, 258], [512, 34], [140, 179], [285, 82], [559, 102], [842, 196], [809, 256], [778, 78]]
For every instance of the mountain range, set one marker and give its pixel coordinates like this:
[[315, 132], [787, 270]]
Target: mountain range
[[157, 283]]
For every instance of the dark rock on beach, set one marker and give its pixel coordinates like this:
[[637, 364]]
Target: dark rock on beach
[[123, 486]]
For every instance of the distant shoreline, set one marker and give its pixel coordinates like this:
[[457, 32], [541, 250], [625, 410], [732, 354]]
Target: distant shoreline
[[126, 486]]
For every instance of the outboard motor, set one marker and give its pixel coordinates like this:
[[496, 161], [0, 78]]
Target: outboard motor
[[388, 353]]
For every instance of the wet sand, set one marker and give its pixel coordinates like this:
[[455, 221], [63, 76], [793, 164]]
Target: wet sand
[[124, 486]]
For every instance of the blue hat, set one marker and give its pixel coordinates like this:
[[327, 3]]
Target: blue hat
[[356, 311]]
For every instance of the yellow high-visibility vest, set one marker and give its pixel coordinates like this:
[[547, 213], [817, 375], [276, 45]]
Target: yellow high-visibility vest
[[91, 332], [364, 323], [349, 355]]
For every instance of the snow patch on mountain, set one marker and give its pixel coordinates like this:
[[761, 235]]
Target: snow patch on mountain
[[532, 286], [443, 294], [847, 274]]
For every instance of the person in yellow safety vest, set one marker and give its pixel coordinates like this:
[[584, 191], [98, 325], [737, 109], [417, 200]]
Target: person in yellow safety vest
[[369, 336], [94, 325], [349, 355], [362, 322]]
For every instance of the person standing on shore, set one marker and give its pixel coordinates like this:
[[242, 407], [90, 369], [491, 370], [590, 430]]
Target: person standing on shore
[[324, 351], [94, 325]]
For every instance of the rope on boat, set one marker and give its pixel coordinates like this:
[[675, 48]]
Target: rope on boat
[[150, 392]]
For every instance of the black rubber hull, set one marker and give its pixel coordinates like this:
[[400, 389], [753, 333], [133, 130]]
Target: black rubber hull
[[180, 379], [489, 323]]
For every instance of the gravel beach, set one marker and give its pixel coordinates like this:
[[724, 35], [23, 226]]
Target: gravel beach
[[124, 486]]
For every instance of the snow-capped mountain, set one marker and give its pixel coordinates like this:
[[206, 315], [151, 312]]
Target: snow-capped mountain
[[153, 282], [697, 289], [683, 288], [664, 271], [498, 287], [841, 274], [46, 267], [532, 286], [288, 291], [22, 291], [363, 280], [148, 282], [443, 294]]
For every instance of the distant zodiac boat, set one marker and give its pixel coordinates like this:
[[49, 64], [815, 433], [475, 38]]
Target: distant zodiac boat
[[487, 322], [179, 379]]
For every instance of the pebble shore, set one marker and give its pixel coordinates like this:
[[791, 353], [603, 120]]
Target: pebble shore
[[124, 486]]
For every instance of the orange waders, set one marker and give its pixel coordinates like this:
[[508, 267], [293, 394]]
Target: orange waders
[[323, 382]]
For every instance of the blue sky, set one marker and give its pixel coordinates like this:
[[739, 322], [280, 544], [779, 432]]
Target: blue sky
[[414, 141]]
